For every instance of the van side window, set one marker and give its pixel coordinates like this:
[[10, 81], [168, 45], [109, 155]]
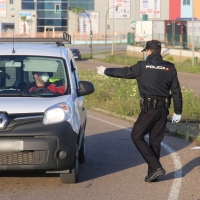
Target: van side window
[[74, 79]]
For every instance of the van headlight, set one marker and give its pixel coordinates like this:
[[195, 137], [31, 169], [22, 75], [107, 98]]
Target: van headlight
[[57, 113]]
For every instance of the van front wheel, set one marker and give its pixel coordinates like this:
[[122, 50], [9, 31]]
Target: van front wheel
[[72, 176]]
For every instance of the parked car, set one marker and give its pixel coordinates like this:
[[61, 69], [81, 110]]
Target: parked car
[[76, 53], [41, 127]]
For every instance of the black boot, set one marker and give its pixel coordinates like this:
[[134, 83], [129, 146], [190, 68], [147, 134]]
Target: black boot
[[152, 176]]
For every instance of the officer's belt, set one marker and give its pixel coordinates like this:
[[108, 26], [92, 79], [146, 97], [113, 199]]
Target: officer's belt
[[160, 101], [157, 97]]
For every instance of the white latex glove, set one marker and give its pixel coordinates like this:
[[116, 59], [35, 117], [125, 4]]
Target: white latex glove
[[101, 70], [176, 118]]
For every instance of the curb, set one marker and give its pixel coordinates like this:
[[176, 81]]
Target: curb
[[185, 129], [131, 119]]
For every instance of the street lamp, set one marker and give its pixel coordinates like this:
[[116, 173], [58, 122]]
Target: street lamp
[[91, 35], [12, 13], [192, 32], [78, 10], [106, 27]]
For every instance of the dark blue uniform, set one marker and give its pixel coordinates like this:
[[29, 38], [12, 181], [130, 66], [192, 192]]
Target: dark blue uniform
[[156, 78]]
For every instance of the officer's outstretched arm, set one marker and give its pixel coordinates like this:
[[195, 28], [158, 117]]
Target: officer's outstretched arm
[[101, 70]]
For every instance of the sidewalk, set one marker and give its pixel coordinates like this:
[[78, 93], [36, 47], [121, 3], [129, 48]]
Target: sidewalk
[[186, 129], [100, 56], [192, 84], [180, 54]]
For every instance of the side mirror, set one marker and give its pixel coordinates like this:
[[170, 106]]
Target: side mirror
[[85, 88]]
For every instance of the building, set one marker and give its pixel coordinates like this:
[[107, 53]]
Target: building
[[182, 9], [33, 17], [124, 12], [47, 18]]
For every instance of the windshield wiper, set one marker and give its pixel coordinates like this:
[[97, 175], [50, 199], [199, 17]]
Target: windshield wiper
[[19, 95], [26, 95]]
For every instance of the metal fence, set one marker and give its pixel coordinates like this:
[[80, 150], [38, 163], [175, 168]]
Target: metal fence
[[168, 40], [77, 38], [131, 38]]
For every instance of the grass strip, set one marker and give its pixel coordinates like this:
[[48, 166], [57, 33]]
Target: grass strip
[[121, 97]]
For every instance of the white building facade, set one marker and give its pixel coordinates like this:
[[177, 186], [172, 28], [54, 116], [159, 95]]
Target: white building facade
[[47, 18]]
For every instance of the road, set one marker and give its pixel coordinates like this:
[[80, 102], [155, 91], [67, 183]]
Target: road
[[191, 81], [84, 49], [113, 170]]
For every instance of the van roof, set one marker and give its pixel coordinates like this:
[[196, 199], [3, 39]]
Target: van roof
[[32, 49]]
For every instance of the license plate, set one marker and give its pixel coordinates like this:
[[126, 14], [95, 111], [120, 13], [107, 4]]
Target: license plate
[[15, 145]]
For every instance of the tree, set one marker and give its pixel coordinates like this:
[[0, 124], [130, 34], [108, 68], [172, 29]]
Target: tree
[[23, 18], [29, 21], [77, 11]]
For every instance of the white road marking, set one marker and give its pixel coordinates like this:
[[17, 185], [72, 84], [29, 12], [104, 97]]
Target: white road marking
[[174, 193], [197, 147]]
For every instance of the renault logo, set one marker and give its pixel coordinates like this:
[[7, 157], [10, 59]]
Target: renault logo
[[3, 121]]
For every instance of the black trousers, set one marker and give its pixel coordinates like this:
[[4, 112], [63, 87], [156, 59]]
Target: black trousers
[[153, 122]]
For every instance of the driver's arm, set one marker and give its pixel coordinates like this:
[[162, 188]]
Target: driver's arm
[[58, 86]]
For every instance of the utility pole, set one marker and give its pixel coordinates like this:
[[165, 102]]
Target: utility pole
[[91, 34]]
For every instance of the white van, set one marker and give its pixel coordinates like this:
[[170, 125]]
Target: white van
[[42, 113]]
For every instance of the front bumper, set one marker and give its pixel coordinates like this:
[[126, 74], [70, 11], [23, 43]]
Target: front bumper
[[45, 147]]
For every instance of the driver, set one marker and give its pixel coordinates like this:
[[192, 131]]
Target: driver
[[42, 84]]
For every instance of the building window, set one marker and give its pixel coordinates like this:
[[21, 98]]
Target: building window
[[11, 1], [85, 4], [46, 15], [145, 4], [28, 5], [186, 2]]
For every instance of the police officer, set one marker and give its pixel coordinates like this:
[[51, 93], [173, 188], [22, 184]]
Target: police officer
[[156, 78]]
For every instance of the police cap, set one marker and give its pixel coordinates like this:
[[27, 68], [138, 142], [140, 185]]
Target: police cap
[[152, 44]]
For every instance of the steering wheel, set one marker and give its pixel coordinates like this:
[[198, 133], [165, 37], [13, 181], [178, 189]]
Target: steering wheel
[[43, 91]]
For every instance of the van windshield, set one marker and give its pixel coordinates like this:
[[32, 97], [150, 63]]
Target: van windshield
[[33, 76]]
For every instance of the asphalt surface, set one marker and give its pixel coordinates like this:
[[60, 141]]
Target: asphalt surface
[[113, 170]]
